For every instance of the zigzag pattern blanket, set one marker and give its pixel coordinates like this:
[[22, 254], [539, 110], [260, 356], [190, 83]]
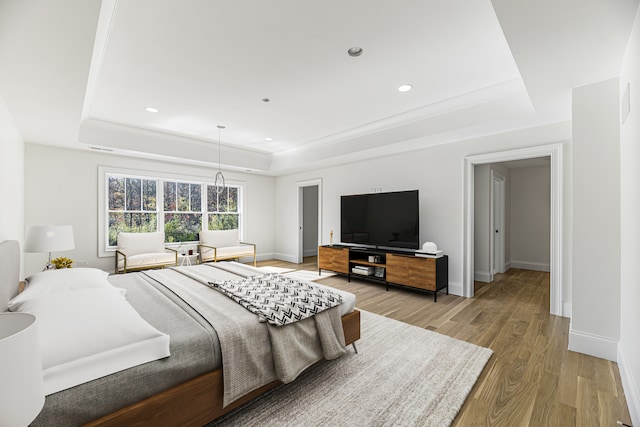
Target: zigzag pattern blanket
[[277, 299]]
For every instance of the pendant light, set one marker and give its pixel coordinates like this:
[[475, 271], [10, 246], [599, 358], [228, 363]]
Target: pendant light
[[219, 182]]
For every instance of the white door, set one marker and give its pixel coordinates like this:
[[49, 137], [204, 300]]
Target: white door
[[316, 223], [497, 223]]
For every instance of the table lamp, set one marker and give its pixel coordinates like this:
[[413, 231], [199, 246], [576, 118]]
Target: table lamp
[[49, 238], [21, 389]]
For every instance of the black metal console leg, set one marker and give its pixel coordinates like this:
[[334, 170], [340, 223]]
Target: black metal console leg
[[354, 347]]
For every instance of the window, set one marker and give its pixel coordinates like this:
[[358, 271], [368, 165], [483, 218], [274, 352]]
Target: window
[[222, 208], [182, 211], [131, 205], [180, 207]]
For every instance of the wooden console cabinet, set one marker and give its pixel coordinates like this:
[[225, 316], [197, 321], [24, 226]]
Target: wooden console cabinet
[[387, 266], [334, 258]]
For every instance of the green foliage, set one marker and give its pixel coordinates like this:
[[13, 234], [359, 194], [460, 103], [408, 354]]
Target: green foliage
[[132, 207], [223, 222], [182, 227], [132, 223]]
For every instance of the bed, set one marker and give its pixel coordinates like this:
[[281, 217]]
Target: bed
[[185, 388]]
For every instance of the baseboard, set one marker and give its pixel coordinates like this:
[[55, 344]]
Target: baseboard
[[285, 257], [259, 257], [593, 345], [310, 252], [567, 310], [629, 385], [535, 266], [456, 289], [482, 276], [507, 266]]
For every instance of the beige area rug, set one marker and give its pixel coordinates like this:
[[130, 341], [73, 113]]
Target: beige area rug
[[280, 270], [403, 375], [306, 275], [309, 276]]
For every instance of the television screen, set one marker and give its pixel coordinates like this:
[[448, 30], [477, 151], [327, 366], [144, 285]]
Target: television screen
[[381, 219]]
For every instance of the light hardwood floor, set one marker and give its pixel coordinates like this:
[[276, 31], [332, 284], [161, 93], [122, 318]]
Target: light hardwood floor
[[531, 379]]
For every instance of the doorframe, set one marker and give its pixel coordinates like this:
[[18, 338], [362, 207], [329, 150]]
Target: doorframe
[[497, 177], [301, 185], [555, 152]]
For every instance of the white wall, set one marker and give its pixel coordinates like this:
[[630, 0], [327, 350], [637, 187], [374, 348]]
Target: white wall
[[595, 326], [437, 172], [11, 178], [62, 188], [530, 217], [629, 346]]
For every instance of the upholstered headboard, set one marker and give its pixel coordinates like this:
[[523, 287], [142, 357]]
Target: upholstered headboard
[[9, 271]]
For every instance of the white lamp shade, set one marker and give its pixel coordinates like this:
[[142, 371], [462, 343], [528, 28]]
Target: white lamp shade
[[49, 238], [21, 389]]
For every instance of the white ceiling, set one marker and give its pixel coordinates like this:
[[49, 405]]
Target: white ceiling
[[80, 74]]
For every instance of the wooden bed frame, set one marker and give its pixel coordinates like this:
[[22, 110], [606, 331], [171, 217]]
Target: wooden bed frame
[[198, 401], [192, 403]]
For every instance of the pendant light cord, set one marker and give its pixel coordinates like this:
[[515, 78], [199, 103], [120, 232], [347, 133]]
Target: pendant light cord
[[220, 127], [220, 182]]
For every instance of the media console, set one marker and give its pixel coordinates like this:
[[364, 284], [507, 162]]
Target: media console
[[398, 267]]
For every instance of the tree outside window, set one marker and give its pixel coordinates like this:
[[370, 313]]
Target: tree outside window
[[222, 208], [181, 209], [131, 206]]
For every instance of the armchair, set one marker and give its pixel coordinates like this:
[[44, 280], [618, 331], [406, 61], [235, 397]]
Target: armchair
[[142, 251], [218, 245]]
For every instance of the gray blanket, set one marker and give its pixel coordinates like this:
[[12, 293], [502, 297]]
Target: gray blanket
[[194, 351], [254, 353]]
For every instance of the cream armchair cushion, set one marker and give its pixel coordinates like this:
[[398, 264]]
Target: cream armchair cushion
[[217, 245], [141, 251]]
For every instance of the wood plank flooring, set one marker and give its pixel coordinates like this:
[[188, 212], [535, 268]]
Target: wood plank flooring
[[531, 379]]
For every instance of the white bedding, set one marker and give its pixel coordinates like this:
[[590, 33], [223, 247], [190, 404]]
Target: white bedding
[[87, 332], [103, 334], [348, 299]]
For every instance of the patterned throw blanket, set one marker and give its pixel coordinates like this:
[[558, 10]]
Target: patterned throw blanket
[[276, 299]]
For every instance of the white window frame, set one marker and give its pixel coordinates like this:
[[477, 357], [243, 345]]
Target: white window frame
[[103, 223]]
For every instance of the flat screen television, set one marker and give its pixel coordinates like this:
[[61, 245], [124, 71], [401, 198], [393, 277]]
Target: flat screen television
[[381, 219]]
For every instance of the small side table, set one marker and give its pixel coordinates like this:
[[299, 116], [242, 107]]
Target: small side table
[[188, 259]]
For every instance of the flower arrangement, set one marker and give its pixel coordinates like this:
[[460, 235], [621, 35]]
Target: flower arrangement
[[62, 262]]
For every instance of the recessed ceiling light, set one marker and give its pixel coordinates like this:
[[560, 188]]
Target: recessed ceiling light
[[355, 51], [152, 109], [405, 88], [268, 138]]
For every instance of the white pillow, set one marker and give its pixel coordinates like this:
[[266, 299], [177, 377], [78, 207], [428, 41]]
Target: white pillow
[[69, 278], [90, 333], [66, 279]]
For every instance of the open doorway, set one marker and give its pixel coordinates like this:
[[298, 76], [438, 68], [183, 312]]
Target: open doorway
[[309, 218], [512, 217], [554, 153]]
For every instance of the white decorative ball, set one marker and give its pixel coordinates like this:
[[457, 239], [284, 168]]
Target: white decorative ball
[[429, 247]]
